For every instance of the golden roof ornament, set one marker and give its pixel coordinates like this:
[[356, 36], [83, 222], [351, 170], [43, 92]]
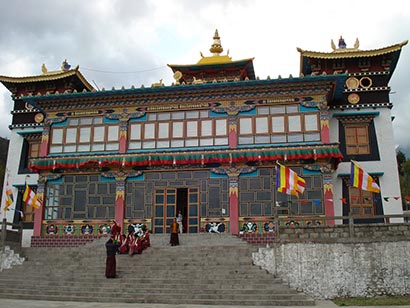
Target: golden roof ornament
[[216, 47], [216, 50], [341, 47]]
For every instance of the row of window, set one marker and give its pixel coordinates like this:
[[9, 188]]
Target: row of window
[[276, 124]]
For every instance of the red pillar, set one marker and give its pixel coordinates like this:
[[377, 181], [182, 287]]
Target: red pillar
[[328, 196], [233, 132], [233, 206], [324, 126], [38, 220]]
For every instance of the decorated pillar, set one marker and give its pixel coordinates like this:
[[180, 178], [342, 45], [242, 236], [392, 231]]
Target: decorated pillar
[[324, 125], [45, 137], [124, 116], [233, 173], [232, 108], [328, 197], [120, 178], [39, 212]]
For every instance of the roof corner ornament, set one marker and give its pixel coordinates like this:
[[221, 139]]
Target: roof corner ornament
[[44, 69], [332, 44], [65, 66], [356, 44]]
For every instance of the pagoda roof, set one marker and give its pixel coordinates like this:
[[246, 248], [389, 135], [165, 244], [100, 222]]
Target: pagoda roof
[[47, 76], [216, 63], [351, 52]]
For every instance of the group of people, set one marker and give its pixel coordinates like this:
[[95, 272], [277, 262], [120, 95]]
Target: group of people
[[134, 243]]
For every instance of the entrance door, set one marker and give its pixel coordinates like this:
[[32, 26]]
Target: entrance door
[[168, 201]]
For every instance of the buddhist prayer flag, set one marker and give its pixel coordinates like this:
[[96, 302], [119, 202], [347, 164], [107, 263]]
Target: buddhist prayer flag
[[9, 196], [361, 179], [288, 182], [30, 198]]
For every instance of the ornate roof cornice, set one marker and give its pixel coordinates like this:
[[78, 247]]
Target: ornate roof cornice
[[352, 53]]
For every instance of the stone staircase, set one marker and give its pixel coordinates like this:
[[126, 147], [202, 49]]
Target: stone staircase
[[206, 269]]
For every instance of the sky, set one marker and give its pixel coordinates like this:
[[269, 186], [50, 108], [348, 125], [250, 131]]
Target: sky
[[130, 42]]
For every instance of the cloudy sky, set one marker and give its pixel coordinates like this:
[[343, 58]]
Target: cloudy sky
[[124, 43]]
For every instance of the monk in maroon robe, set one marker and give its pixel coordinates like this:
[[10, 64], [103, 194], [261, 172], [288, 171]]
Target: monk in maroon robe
[[110, 264], [174, 240]]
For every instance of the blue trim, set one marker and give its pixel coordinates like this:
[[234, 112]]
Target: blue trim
[[249, 112], [62, 124], [346, 114], [110, 121], [251, 174], [103, 179], [310, 172], [308, 109], [218, 176], [213, 114], [56, 181], [136, 178], [30, 132], [141, 119]]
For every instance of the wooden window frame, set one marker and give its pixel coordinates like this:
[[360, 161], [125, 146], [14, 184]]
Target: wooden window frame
[[361, 199], [355, 144]]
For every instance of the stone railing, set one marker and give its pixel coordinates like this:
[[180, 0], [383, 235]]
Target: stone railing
[[331, 229]]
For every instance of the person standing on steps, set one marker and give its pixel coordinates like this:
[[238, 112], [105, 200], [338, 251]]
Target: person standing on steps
[[110, 263], [180, 218], [174, 240]]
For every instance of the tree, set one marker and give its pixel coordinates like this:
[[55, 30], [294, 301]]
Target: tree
[[404, 175]]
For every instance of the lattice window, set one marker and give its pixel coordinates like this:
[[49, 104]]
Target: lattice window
[[361, 202], [357, 139]]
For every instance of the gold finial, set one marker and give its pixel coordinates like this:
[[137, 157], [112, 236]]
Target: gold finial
[[216, 47], [44, 69]]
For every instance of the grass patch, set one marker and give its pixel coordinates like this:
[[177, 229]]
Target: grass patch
[[373, 301]]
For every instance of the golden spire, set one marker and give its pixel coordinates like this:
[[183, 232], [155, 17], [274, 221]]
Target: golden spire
[[216, 47]]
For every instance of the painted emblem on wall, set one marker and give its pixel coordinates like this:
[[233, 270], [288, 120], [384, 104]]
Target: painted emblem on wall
[[249, 227], [104, 229], [214, 227], [292, 223], [269, 226], [69, 229], [87, 229], [353, 98], [51, 229]]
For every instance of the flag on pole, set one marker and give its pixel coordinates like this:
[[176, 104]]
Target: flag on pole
[[288, 182], [30, 198], [9, 196], [361, 179]]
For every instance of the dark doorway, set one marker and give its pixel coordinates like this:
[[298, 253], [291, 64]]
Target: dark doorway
[[182, 205]]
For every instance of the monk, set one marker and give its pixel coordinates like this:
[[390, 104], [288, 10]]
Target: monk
[[110, 263], [174, 240], [135, 246], [145, 238]]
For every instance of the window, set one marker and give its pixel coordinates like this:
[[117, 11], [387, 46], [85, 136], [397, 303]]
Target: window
[[86, 134], [178, 129], [361, 202], [357, 139], [279, 124]]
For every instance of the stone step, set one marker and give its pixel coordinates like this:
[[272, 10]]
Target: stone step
[[167, 300], [205, 269]]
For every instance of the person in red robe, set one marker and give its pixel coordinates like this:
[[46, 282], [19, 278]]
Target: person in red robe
[[135, 245], [110, 263], [116, 232], [145, 238], [125, 244], [174, 240]]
